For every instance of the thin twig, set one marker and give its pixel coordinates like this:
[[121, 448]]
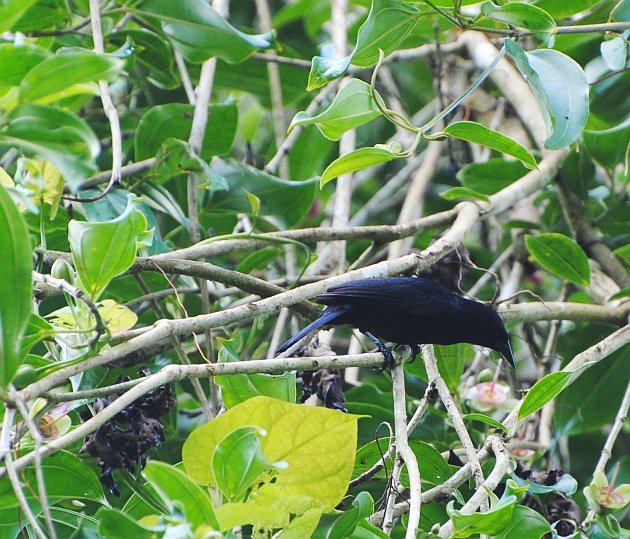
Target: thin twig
[[454, 415], [39, 474], [403, 450]]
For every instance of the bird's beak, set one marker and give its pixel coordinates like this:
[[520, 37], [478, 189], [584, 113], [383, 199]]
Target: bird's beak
[[505, 349]]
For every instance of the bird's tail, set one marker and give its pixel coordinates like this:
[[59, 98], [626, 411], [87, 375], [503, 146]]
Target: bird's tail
[[328, 316]]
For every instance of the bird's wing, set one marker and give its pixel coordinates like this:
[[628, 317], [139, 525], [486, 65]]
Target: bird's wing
[[410, 294]]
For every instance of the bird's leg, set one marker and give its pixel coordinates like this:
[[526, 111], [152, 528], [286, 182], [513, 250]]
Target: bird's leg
[[390, 362]]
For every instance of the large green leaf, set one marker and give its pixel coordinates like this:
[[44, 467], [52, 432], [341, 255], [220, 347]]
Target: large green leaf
[[522, 15], [174, 120], [55, 135], [11, 11], [318, 445], [561, 89], [199, 32], [353, 106], [103, 250], [66, 476], [173, 485], [480, 134], [68, 67], [17, 60], [388, 23], [525, 523], [282, 198], [560, 255], [15, 286]]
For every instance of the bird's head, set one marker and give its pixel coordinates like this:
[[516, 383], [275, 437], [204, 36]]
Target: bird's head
[[490, 331]]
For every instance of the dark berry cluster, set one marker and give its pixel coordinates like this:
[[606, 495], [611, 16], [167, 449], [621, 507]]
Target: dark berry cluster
[[123, 441]]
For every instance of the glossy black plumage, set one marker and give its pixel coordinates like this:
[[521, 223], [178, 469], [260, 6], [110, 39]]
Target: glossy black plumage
[[410, 311]]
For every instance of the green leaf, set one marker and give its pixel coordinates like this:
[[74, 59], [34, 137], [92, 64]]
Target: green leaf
[[523, 16], [176, 157], [463, 192], [115, 523], [198, 31], [67, 477], [284, 199], [17, 60], [318, 445], [433, 467], [491, 176], [174, 120], [561, 88], [609, 146], [342, 525], [15, 286], [546, 389], [36, 331], [55, 135], [238, 462], [485, 419], [50, 77], [623, 293], [388, 24], [353, 106], [358, 160], [173, 485], [237, 388], [451, 361], [492, 522], [258, 260], [525, 523], [480, 134], [11, 11], [323, 70], [560, 255], [152, 56], [614, 53], [103, 250]]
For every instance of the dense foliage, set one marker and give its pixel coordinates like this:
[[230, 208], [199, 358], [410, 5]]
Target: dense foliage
[[178, 180]]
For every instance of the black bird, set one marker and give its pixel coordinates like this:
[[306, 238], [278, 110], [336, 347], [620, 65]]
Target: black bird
[[411, 311]]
